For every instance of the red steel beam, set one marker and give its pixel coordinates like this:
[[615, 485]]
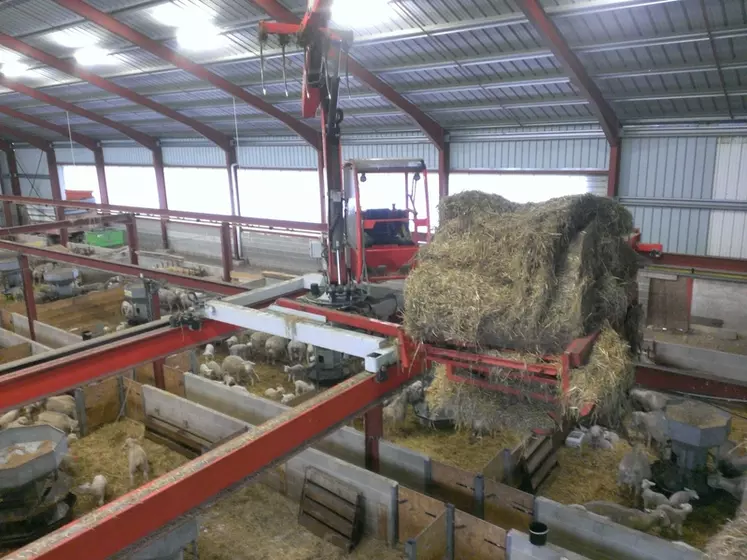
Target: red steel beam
[[196, 216], [98, 156], [199, 284], [613, 172], [15, 182], [662, 378], [55, 187], [78, 222], [28, 293], [142, 139], [444, 169], [703, 263], [225, 250], [161, 190], [555, 41], [373, 424], [36, 141], [132, 241], [432, 129], [141, 512], [72, 69], [82, 139], [160, 50]]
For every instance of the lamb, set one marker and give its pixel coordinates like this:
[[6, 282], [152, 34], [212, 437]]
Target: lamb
[[70, 437], [122, 326], [595, 438], [651, 499], [241, 350], [275, 347], [96, 488], [58, 420], [241, 369], [632, 470], [274, 393], [136, 458], [186, 299], [415, 392], [61, 403], [127, 310], [633, 518], [734, 486], [8, 417], [683, 497], [676, 516], [231, 341], [31, 409], [296, 351], [257, 343], [653, 425], [287, 398], [22, 421], [302, 387], [228, 380], [168, 298], [295, 371], [649, 401], [396, 411], [209, 352], [214, 370]]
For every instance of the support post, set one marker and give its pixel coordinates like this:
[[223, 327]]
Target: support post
[[98, 156], [479, 492], [225, 250], [411, 549], [613, 172], [132, 241], [80, 411], [322, 186], [161, 188], [28, 293], [8, 214], [444, 168], [155, 309], [450, 548], [15, 182], [373, 422], [54, 181], [232, 163]]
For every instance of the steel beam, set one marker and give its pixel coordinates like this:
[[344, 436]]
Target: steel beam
[[695, 263], [163, 205], [98, 156], [28, 293], [444, 170], [148, 508], [77, 222], [322, 187], [190, 282], [716, 59], [194, 216], [133, 243], [662, 378], [373, 425], [232, 166], [54, 182], [613, 171], [72, 69], [139, 137], [225, 250], [15, 182], [160, 50], [21, 135], [82, 139]]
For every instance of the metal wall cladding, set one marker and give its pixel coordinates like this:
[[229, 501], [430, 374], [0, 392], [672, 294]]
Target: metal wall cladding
[[31, 161], [730, 180], [278, 157], [75, 156], [728, 234], [679, 230], [194, 156], [425, 151], [127, 155], [580, 153], [678, 167]]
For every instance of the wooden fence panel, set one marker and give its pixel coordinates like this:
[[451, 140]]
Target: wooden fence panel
[[134, 397], [477, 539], [507, 506], [416, 512], [430, 544], [452, 485], [102, 402], [15, 352]]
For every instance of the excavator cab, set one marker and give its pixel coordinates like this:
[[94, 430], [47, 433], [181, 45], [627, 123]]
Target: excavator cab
[[383, 242]]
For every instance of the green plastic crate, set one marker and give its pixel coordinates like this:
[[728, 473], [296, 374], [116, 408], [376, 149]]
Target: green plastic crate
[[106, 237]]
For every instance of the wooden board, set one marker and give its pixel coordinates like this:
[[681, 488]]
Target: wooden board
[[477, 539], [668, 305], [452, 485], [174, 380], [430, 544], [102, 402], [15, 352], [416, 512], [507, 507], [134, 397]]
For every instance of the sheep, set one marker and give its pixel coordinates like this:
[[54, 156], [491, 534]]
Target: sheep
[[415, 392], [127, 310], [257, 343], [632, 470], [96, 488], [595, 438], [8, 417], [70, 437], [633, 518], [310, 354], [214, 369], [274, 393], [204, 371], [653, 425], [31, 409], [298, 370], [287, 398], [612, 437], [302, 387], [58, 420], [22, 421], [168, 298], [231, 341], [683, 497], [61, 403], [649, 401], [651, 499], [676, 516], [122, 326], [296, 351], [241, 350], [209, 352], [136, 458], [275, 347], [396, 411], [734, 486], [186, 299], [228, 380], [241, 369], [67, 464]]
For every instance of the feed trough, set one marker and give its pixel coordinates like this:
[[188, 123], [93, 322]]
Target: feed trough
[[694, 428], [441, 419]]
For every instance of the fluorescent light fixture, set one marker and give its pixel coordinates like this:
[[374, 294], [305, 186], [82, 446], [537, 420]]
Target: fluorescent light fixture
[[92, 56], [203, 37], [14, 69], [7, 56], [74, 39], [175, 16], [352, 14]]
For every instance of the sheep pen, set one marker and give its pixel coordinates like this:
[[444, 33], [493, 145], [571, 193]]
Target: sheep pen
[[529, 279]]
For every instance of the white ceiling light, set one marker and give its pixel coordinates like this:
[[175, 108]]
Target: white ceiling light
[[175, 16], [92, 56], [74, 39], [354, 14], [199, 38], [14, 69]]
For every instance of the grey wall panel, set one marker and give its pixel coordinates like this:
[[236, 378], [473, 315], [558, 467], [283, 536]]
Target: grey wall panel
[[424, 151], [730, 180], [728, 234], [680, 230], [33, 173], [77, 156], [128, 155], [278, 157], [194, 156], [668, 167], [582, 153]]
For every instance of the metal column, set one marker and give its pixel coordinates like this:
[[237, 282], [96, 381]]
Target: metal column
[[613, 172], [98, 155], [322, 186], [15, 182], [444, 168], [132, 241], [373, 422], [232, 164], [225, 250], [161, 188], [155, 309], [28, 293], [54, 180]]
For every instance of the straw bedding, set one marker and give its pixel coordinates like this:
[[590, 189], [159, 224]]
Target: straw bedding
[[731, 542]]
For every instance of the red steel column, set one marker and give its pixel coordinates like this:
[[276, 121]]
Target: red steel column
[[613, 171], [158, 379], [15, 182], [132, 241], [373, 422], [98, 155], [225, 250], [161, 187], [8, 214], [28, 293], [444, 168], [54, 181], [232, 163], [322, 186]]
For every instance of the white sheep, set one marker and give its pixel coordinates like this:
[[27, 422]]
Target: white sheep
[[231, 341], [229, 380], [415, 392], [676, 516], [136, 459], [168, 298], [185, 300], [595, 438], [96, 488], [58, 420], [683, 497], [242, 370], [633, 518], [296, 351], [8, 417], [22, 421], [295, 371], [127, 310], [274, 393], [209, 352], [396, 411], [275, 348], [287, 398], [632, 470], [302, 387], [122, 326], [257, 343], [70, 437], [31, 409], [215, 372], [651, 499], [648, 400], [240, 350], [61, 403], [653, 425]]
